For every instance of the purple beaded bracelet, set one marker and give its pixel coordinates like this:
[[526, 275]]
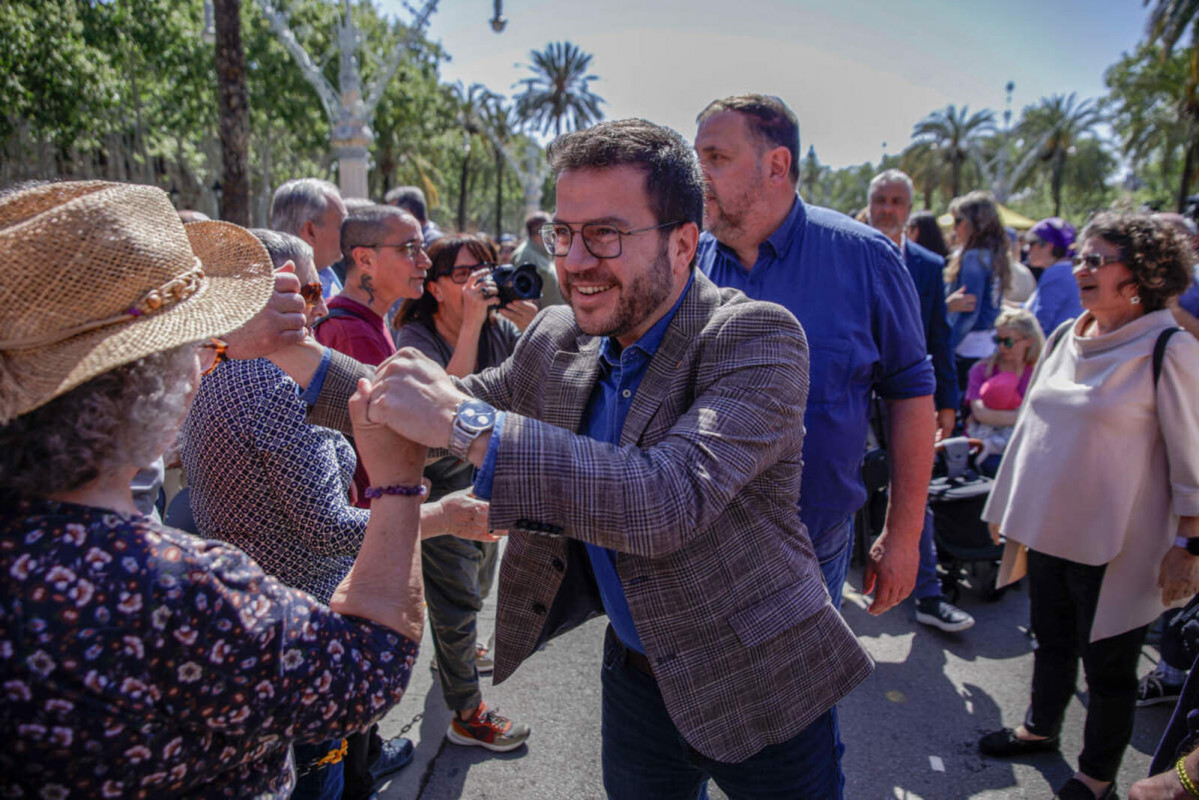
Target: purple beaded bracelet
[[420, 490]]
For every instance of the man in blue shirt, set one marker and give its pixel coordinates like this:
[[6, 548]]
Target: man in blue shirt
[[646, 457], [848, 287], [890, 204]]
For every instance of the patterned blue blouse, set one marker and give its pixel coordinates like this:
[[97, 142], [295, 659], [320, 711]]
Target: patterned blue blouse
[[138, 661], [266, 480]]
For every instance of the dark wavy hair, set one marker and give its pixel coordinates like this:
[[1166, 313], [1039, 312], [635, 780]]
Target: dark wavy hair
[[443, 253], [1159, 256], [928, 233], [986, 233]]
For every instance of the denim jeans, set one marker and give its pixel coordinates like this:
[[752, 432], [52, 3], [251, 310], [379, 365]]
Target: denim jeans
[[927, 582], [646, 758], [1062, 599], [835, 568], [321, 784], [458, 575]]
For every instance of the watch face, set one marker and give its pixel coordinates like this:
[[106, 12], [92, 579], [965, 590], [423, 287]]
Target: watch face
[[476, 415]]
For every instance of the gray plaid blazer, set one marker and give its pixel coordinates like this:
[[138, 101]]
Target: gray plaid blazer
[[699, 500]]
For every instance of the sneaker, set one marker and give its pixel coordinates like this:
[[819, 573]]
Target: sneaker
[[940, 613], [393, 756], [484, 663], [1153, 690], [488, 729]]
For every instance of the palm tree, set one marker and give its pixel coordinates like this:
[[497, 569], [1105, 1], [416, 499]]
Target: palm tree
[[502, 125], [952, 134], [1066, 122], [922, 163], [471, 105], [1168, 21], [557, 94]]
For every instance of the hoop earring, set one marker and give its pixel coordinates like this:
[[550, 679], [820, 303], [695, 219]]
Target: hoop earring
[[1135, 299]]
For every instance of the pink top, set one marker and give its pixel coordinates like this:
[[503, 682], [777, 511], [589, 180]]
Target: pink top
[[1000, 391]]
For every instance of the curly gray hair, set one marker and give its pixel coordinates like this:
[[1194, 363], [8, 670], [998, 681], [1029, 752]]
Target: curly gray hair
[[126, 417]]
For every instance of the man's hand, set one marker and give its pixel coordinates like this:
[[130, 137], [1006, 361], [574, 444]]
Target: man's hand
[[1179, 576], [459, 514], [946, 419], [279, 324], [959, 300], [413, 396], [388, 458], [520, 313], [890, 570]]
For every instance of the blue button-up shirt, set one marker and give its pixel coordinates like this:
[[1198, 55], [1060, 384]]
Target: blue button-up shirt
[[620, 374], [847, 285]]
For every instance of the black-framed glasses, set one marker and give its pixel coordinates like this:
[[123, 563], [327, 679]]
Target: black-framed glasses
[[602, 239], [1093, 261], [1005, 341], [462, 274], [411, 249]]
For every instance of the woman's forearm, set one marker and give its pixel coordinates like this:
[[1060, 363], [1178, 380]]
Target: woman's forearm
[[992, 416]]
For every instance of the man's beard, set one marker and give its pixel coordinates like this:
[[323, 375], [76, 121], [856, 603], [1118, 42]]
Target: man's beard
[[727, 216], [638, 299], [889, 226]]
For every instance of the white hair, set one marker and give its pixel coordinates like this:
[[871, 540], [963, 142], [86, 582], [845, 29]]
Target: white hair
[[301, 200], [889, 176]]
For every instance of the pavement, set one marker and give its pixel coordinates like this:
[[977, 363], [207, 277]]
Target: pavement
[[910, 730]]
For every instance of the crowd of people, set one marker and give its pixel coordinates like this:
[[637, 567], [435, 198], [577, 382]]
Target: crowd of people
[[363, 408]]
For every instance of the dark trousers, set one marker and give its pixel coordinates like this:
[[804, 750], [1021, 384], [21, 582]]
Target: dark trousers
[[361, 751], [1063, 595], [646, 758], [458, 575]]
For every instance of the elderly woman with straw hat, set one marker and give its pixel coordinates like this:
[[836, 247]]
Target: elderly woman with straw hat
[[135, 660]]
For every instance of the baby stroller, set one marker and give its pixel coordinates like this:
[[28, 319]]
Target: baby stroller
[[956, 496]]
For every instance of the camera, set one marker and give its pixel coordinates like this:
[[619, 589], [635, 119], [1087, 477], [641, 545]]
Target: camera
[[516, 283]]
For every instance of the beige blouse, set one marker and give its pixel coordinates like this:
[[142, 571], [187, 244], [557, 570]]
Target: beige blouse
[[1101, 466]]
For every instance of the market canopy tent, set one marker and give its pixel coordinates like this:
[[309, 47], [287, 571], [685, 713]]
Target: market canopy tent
[[1009, 218]]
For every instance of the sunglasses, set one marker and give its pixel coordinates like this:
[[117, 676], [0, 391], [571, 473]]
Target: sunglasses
[[958, 220], [212, 353], [311, 292], [1094, 261], [1004, 341], [1033, 241], [462, 274]]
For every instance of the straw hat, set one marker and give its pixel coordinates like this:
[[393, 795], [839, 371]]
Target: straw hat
[[94, 275]]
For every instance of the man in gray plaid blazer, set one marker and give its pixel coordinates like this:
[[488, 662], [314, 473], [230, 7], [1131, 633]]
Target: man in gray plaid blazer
[[646, 458]]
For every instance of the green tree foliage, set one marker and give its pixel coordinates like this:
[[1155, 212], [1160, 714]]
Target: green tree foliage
[[1063, 123], [557, 96], [949, 134]]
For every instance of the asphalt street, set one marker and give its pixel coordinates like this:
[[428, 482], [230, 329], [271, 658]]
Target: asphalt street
[[910, 730]]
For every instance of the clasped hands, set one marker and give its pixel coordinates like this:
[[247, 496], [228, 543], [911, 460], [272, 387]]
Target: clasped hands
[[413, 397]]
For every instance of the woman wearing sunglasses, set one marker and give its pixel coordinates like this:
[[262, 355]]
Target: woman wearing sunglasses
[[998, 383], [1098, 493], [138, 660], [455, 323]]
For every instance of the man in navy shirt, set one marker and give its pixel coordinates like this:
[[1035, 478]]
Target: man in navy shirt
[[848, 287], [890, 203]]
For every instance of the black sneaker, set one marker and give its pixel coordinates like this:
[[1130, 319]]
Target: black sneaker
[[940, 613], [1153, 689]]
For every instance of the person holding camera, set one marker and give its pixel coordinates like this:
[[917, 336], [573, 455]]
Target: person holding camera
[[463, 323]]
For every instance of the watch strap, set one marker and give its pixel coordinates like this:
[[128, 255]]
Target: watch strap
[[1191, 545]]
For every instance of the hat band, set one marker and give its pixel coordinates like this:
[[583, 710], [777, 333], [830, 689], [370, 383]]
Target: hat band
[[169, 294]]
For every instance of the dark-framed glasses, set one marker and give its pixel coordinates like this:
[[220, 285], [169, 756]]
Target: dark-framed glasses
[[311, 292], [602, 239], [1094, 261], [462, 274], [212, 353], [1004, 341], [411, 249]]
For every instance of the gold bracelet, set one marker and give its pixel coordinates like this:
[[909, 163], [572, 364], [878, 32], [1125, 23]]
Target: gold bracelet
[[1185, 779]]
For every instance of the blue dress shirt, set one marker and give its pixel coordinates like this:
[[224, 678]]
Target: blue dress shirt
[[847, 285], [620, 374], [1056, 298], [926, 269]]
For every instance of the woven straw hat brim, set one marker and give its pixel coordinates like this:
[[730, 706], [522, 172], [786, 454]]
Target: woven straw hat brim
[[239, 280]]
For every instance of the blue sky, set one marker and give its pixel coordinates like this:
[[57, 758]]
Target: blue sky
[[857, 72]]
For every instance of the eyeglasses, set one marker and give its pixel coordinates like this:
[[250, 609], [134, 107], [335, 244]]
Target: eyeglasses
[[958, 220], [1093, 261], [411, 249], [1004, 341], [462, 274], [601, 239], [311, 292], [1033, 241], [212, 353]]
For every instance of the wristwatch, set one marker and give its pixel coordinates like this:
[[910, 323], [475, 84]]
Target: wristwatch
[[1190, 545], [472, 419]]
